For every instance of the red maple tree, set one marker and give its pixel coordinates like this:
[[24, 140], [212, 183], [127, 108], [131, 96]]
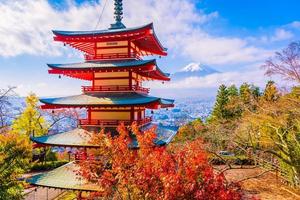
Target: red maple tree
[[152, 172]]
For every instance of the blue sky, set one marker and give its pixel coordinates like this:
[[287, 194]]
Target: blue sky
[[232, 36]]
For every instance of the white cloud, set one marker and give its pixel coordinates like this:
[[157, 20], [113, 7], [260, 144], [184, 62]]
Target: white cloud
[[26, 26], [295, 24], [281, 34], [256, 76]]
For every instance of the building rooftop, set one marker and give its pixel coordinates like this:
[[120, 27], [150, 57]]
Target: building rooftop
[[74, 138], [108, 99], [64, 177], [146, 68], [143, 37], [81, 138]]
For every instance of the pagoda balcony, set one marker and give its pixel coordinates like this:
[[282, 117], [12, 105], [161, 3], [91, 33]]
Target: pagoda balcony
[[100, 122], [115, 88], [112, 56]]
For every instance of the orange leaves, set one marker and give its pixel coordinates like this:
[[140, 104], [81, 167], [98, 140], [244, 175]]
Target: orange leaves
[[151, 172]]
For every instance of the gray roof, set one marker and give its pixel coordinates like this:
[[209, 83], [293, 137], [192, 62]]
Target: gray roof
[[74, 138], [103, 64], [64, 177], [82, 138], [107, 99]]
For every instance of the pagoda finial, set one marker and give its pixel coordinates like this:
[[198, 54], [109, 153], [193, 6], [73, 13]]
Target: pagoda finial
[[118, 15]]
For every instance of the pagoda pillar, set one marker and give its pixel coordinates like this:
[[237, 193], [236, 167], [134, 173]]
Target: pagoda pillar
[[132, 114], [130, 80]]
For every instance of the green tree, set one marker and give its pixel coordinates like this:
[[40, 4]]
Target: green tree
[[15, 154], [219, 110], [232, 91], [31, 120]]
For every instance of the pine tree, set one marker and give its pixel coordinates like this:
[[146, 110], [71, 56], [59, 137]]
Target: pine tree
[[245, 93], [30, 121], [220, 111], [232, 91]]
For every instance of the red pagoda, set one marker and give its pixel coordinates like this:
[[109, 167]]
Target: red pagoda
[[115, 68]]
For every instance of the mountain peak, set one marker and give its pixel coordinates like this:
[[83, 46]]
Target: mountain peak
[[193, 70], [192, 67]]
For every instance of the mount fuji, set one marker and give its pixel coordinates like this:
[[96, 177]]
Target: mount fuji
[[193, 70]]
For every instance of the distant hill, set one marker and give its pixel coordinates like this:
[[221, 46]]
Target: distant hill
[[193, 70]]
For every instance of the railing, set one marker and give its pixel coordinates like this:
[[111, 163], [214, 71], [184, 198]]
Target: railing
[[112, 56], [96, 122], [114, 88]]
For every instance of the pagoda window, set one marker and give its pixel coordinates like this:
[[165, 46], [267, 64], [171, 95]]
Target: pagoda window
[[112, 82], [115, 115], [112, 44], [111, 74], [112, 51]]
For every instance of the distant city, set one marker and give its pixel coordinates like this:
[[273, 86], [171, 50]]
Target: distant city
[[185, 110]]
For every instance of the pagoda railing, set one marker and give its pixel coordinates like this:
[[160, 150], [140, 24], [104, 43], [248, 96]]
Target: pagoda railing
[[114, 88], [100, 122], [110, 56]]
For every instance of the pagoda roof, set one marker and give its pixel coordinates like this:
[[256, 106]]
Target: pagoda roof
[[64, 177], [143, 36], [108, 99], [74, 138], [101, 32], [81, 138], [146, 68]]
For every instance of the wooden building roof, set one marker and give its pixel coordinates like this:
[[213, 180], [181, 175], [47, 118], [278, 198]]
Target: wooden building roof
[[107, 100], [85, 70], [143, 37], [78, 138], [64, 177]]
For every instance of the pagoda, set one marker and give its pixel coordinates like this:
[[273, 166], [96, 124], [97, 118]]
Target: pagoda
[[114, 66]]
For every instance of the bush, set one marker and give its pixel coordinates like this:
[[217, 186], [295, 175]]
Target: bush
[[40, 166], [236, 160]]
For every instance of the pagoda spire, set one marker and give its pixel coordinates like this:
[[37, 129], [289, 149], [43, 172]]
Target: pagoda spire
[[118, 15]]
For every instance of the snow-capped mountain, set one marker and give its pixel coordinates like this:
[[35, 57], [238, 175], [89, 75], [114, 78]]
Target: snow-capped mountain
[[193, 70]]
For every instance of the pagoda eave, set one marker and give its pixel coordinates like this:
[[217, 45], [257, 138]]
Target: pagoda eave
[[144, 37], [152, 105], [145, 68], [65, 177]]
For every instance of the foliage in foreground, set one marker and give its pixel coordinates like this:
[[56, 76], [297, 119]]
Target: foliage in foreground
[[15, 155], [152, 172]]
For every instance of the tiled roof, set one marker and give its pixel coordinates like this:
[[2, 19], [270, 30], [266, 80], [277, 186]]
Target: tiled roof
[[103, 64], [107, 99], [165, 134], [81, 138], [99, 32], [64, 177], [75, 138]]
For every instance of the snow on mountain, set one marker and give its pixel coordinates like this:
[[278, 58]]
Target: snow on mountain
[[193, 70]]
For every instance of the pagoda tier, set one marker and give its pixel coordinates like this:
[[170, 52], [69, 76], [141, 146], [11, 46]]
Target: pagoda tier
[[80, 138], [126, 43], [109, 100], [134, 70], [110, 109]]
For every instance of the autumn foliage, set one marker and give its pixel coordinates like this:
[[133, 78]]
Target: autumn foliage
[[151, 172]]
